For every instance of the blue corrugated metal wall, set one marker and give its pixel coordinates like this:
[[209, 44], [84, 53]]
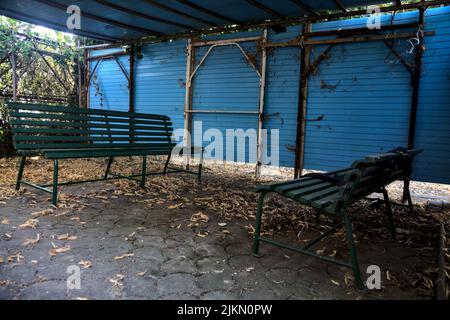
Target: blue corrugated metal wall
[[362, 93], [433, 117], [358, 102]]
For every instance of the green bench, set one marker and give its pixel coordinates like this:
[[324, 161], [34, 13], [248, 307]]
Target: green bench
[[334, 192], [57, 132]]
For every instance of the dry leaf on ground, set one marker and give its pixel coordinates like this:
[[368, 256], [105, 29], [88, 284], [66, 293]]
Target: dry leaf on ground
[[85, 263], [126, 255], [28, 242], [66, 236], [42, 213], [57, 250], [30, 223]]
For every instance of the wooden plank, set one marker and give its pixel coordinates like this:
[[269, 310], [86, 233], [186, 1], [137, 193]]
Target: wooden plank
[[105, 153], [56, 132], [19, 123], [62, 109], [51, 146], [81, 138]]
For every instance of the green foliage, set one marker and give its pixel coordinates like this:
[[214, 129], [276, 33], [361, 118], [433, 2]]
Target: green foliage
[[38, 58]]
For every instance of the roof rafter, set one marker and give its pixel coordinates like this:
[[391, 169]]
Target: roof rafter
[[339, 4], [141, 14], [91, 16], [261, 6], [304, 7], [207, 11], [181, 13]]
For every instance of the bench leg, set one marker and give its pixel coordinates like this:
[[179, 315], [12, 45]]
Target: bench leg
[[407, 195], [55, 182], [387, 203], [108, 167], [144, 171], [259, 212], [317, 218], [167, 163], [20, 173], [352, 248]]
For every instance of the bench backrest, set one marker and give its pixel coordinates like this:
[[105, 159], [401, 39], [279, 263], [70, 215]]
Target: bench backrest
[[38, 127], [378, 171]]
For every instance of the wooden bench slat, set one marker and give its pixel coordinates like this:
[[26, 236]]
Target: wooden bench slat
[[56, 132], [72, 154], [46, 121], [62, 109], [310, 189], [82, 138]]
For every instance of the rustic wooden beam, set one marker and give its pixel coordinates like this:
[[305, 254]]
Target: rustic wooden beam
[[301, 110], [106, 56], [416, 82], [98, 18], [265, 8], [207, 11], [131, 81], [142, 14], [354, 31], [366, 38]]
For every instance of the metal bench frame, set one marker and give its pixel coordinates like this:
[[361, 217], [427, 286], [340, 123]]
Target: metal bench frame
[[29, 143], [345, 197]]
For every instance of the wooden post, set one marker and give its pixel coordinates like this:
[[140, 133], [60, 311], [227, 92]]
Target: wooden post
[[262, 90], [302, 103], [416, 82], [190, 61], [87, 73], [14, 76], [131, 81]]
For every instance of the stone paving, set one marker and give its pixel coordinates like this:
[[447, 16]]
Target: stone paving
[[127, 249]]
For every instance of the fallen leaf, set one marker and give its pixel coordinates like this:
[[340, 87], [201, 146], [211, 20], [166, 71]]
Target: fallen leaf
[[202, 234], [42, 213], [7, 236], [85, 263], [141, 274], [199, 217], [124, 256], [66, 236], [55, 251], [77, 219], [32, 241], [175, 206], [222, 224], [81, 298], [18, 257], [1, 259], [115, 282], [335, 282], [250, 269], [5, 221], [30, 223]]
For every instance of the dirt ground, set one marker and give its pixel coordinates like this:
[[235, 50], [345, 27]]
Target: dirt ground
[[180, 239]]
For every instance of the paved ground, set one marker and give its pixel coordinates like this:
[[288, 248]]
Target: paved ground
[[154, 245]]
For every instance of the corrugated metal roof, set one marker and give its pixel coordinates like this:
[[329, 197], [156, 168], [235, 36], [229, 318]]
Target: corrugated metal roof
[[115, 20]]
